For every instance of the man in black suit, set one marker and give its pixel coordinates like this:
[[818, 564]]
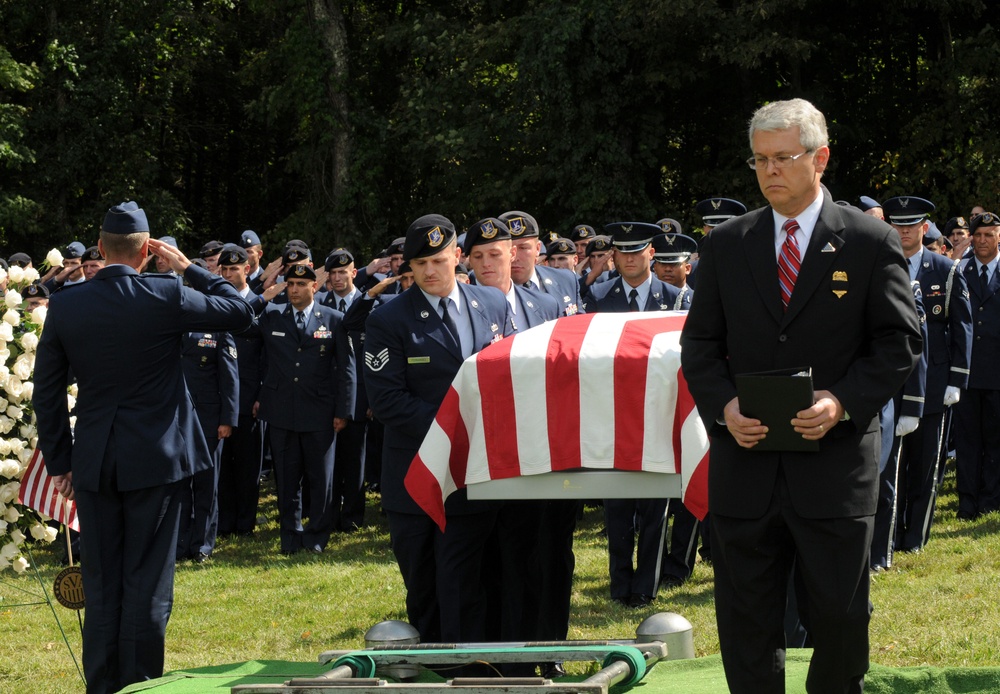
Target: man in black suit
[[414, 346], [842, 305], [137, 440]]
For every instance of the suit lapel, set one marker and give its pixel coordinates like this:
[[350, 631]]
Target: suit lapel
[[816, 262], [759, 244]]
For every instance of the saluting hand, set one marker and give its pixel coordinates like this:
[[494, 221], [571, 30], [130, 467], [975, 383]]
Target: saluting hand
[[177, 261]]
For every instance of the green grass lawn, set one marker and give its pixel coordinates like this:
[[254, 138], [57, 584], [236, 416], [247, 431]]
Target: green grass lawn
[[939, 607]]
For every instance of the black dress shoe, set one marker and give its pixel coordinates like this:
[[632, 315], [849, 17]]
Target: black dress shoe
[[965, 516], [671, 581], [200, 558], [621, 601], [640, 600], [315, 549], [553, 670]]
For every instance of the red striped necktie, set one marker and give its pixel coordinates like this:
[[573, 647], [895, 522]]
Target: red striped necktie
[[789, 262]]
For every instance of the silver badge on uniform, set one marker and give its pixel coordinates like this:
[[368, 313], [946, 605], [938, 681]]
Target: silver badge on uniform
[[424, 314], [475, 304]]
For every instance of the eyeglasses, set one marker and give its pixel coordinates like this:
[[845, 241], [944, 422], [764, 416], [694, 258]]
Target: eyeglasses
[[782, 161]]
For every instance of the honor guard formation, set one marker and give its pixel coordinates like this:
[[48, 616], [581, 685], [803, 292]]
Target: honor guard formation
[[325, 371]]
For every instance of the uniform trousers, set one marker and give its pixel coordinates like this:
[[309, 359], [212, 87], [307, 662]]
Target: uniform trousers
[[129, 541], [303, 459], [977, 451], [349, 476], [754, 558], [200, 508], [442, 572], [239, 477], [622, 517], [918, 483]]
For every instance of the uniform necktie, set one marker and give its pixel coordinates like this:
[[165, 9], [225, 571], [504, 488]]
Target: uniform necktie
[[449, 322], [343, 306], [984, 280], [789, 262], [633, 303], [528, 285], [300, 321]]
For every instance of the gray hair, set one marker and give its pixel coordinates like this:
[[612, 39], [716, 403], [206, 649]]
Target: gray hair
[[782, 115]]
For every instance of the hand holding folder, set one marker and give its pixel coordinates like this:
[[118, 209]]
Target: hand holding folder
[[776, 398]]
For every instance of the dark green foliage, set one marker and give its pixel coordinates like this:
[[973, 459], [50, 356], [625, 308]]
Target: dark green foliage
[[339, 121]]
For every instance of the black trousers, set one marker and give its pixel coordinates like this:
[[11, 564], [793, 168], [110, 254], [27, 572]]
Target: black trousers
[[624, 518], [753, 561], [977, 449], [239, 477], [442, 572], [304, 460], [129, 541], [349, 477]]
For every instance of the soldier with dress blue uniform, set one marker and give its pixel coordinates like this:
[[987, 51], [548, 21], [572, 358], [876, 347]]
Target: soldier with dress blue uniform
[[599, 266], [349, 468], [306, 397], [524, 270], [242, 452], [212, 378], [713, 212], [414, 346], [945, 297], [561, 254], [386, 265], [522, 539], [581, 236], [636, 289], [977, 436], [672, 264], [71, 271]]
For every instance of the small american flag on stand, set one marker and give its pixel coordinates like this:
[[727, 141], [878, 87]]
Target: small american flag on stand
[[39, 493], [595, 391]]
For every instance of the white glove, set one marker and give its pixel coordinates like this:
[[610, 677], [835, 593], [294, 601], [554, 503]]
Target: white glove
[[951, 395], [907, 425]]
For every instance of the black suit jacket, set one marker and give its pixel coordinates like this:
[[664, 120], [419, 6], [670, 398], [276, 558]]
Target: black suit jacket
[[851, 318]]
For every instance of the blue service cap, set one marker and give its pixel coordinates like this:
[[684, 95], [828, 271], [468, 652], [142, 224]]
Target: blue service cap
[[715, 211], [427, 235], [673, 248], [631, 237], [169, 240], [74, 250], [932, 234], [867, 203], [249, 238], [907, 210], [125, 218]]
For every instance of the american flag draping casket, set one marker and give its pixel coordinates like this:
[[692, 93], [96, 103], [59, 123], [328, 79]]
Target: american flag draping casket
[[595, 391]]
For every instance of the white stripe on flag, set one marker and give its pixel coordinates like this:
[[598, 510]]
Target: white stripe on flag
[[661, 398], [597, 387], [529, 421]]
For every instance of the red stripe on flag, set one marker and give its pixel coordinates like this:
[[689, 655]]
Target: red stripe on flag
[[562, 390], [696, 491], [425, 490], [38, 492], [631, 367], [682, 410], [497, 402]]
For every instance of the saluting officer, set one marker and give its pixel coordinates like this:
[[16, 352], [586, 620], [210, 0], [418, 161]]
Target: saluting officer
[[307, 395], [945, 297], [211, 375], [349, 468], [242, 452]]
